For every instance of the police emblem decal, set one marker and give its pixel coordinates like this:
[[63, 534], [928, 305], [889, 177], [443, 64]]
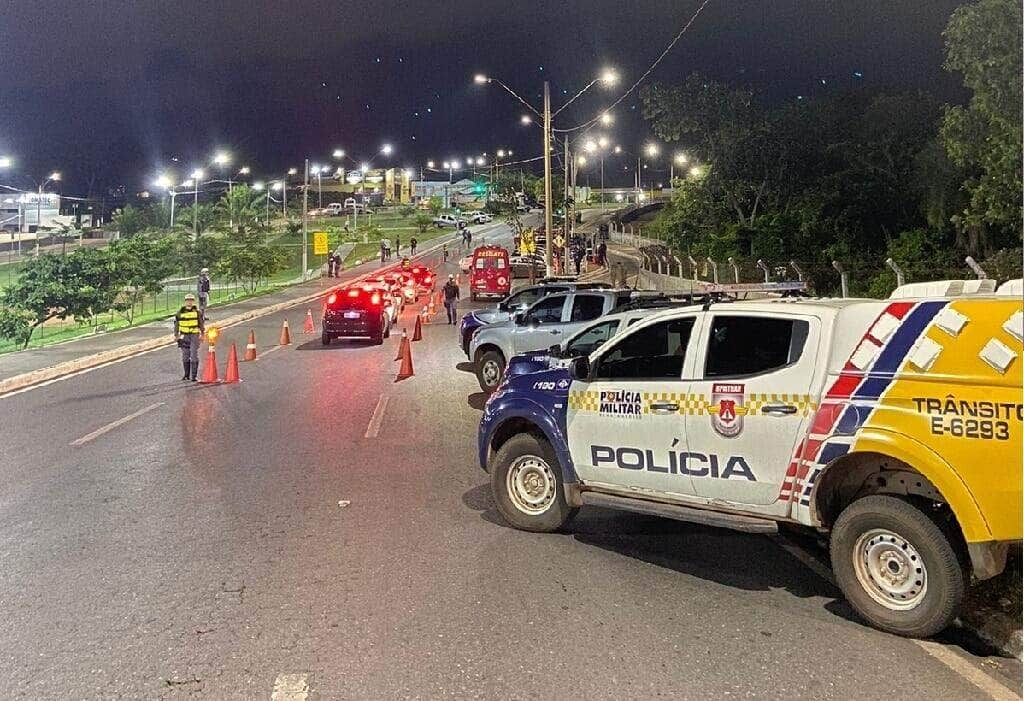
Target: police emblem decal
[[727, 409]]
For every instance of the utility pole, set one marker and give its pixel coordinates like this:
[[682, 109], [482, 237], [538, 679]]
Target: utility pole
[[305, 209], [565, 207], [547, 178], [195, 209]]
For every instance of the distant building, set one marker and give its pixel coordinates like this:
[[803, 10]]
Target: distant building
[[30, 211]]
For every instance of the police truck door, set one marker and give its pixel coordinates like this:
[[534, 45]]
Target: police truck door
[[755, 372], [625, 425]]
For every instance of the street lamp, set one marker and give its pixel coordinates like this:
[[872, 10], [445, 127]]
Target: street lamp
[[526, 119], [607, 118], [386, 149], [678, 159], [196, 176], [607, 77], [5, 161], [164, 182], [430, 165], [338, 153]]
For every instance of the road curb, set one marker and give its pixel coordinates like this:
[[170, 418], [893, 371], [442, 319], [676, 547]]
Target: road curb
[[35, 377]]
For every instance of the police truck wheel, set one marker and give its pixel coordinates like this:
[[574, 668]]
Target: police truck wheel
[[897, 566], [490, 368], [526, 482], [325, 338]]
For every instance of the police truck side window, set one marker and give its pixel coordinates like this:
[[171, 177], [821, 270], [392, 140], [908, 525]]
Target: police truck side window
[[655, 352], [588, 341], [751, 345], [586, 307], [546, 311]]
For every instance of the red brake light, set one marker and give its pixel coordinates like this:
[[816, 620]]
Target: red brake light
[[353, 293], [332, 299], [375, 299], [428, 279]]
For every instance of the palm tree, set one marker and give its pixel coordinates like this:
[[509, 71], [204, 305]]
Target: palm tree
[[239, 208]]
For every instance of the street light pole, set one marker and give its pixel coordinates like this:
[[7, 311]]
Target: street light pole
[[305, 209], [195, 208], [547, 178]]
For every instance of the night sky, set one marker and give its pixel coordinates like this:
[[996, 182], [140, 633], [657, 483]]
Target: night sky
[[109, 92]]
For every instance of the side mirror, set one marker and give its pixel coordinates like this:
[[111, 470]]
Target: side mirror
[[555, 351], [579, 368]]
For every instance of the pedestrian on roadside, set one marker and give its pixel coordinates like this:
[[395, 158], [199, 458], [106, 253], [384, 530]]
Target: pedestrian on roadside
[[577, 258], [451, 298], [203, 290], [188, 332], [469, 237], [412, 245], [398, 245], [444, 251], [387, 249], [602, 255]]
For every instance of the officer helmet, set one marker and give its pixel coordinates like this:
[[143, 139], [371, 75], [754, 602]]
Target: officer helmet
[[190, 296]]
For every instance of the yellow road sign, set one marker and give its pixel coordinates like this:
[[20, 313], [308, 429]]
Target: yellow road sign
[[320, 246]]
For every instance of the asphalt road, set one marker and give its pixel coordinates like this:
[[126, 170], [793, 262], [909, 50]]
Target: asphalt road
[[321, 526]]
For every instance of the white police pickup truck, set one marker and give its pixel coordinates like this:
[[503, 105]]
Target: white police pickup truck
[[548, 321], [893, 425]]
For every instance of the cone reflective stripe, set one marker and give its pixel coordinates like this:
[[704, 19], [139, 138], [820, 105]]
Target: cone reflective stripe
[[431, 309], [250, 347], [417, 332], [308, 327], [231, 371], [210, 368], [286, 336], [405, 369], [402, 345]]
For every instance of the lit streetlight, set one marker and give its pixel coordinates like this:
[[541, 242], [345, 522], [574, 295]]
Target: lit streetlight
[[339, 153], [607, 118], [430, 165], [526, 119], [5, 162], [386, 149]]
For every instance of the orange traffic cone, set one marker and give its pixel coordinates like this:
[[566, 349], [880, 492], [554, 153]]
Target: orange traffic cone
[[210, 368], [231, 372], [402, 345], [405, 369], [286, 336], [417, 332], [309, 328], [431, 309], [250, 346]]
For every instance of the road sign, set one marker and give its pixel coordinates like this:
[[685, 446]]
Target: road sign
[[320, 246], [526, 243], [559, 241]]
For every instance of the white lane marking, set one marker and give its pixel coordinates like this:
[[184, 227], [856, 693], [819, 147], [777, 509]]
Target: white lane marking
[[291, 687], [114, 424], [813, 563], [968, 671], [268, 352], [377, 417]]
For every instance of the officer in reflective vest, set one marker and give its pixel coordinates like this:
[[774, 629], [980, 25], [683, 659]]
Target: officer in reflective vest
[[188, 332]]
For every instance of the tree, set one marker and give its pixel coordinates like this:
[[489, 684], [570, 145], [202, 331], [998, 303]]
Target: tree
[[140, 266], [983, 41], [208, 216], [251, 261], [130, 220], [16, 324], [239, 207], [436, 204], [423, 221]]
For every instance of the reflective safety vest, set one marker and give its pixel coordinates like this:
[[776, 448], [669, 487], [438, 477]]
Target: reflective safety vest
[[188, 320]]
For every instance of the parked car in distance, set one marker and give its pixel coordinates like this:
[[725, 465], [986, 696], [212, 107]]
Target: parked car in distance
[[451, 220]]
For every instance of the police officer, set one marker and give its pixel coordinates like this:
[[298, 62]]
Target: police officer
[[188, 332], [451, 298]]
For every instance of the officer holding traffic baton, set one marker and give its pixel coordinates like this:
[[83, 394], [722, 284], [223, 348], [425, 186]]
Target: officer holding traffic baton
[[188, 332]]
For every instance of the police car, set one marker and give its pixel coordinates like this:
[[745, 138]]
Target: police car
[[518, 301], [892, 425]]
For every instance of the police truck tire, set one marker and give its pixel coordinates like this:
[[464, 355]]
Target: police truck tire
[[490, 368], [325, 338], [526, 483], [897, 566]]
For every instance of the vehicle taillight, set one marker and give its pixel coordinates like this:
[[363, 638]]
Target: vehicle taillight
[[502, 280], [375, 299], [427, 280], [416, 271], [353, 293], [332, 299]]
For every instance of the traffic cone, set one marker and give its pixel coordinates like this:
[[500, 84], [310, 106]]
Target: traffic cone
[[417, 332], [231, 372], [402, 345], [210, 367], [431, 309], [405, 369], [309, 328], [286, 336], [250, 346]]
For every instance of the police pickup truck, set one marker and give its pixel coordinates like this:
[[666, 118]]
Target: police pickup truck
[[893, 425], [547, 321]]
